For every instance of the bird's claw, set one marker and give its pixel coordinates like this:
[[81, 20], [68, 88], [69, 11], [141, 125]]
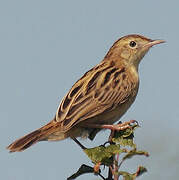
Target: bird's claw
[[120, 126]]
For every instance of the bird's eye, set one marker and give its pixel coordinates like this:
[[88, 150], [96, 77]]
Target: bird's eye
[[132, 44]]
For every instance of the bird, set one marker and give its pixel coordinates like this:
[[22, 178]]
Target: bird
[[99, 98]]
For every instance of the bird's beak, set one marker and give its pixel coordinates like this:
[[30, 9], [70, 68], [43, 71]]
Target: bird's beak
[[153, 42]]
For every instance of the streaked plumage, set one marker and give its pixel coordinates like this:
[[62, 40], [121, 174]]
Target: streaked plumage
[[101, 96]]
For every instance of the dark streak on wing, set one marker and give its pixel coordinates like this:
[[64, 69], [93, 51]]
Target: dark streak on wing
[[66, 102], [75, 90], [80, 96], [96, 93], [116, 74], [107, 77], [91, 70], [119, 72], [115, 83], [78, 106], [60, 113], [93, 80], [107, 88], [91, 83], [99, 66], [67, 121], [123, 76], [75, 110], [101, 97]]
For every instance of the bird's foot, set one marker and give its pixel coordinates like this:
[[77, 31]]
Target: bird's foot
[[114, 127], [120, 126]]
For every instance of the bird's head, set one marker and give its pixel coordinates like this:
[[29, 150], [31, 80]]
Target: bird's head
[[131, 49]]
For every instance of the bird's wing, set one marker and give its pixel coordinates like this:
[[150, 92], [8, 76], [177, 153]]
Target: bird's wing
[[101, 89]]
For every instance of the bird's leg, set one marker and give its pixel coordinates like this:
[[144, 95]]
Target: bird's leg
[[113, 127], [111, 136], [113, 131], [77, 142]]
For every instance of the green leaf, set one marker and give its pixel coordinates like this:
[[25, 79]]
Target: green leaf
[[125, 137], [134, 152], [128, 176], [103, 154], [82, 170]]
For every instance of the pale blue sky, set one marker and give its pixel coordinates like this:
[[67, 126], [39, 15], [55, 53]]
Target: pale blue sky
[[45, 46]]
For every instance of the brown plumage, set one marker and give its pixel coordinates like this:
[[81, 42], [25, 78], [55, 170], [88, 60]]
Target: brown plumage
[[101, 96]]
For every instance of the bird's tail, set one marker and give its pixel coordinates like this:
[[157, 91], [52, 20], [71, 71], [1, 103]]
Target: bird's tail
[[35, 136]]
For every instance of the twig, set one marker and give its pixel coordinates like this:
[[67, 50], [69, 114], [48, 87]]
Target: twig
[[101, 176], [110, 174]]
